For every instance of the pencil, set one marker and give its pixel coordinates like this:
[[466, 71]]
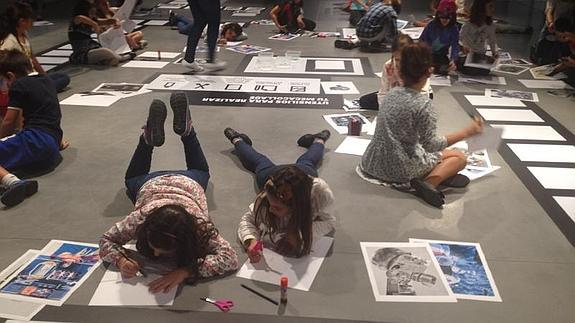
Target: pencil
[[260, 294], [122, 251]]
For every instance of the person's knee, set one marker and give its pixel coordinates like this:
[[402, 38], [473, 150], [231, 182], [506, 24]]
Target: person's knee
[[461, 159]]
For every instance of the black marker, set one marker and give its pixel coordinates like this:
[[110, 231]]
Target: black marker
[[260, 294]]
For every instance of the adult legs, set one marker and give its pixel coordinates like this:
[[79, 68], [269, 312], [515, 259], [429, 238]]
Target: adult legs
[[60, 80], [200, 23], [212, 8], [369, 101], [452, 162]]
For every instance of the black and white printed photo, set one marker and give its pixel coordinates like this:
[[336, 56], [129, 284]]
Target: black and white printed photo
[[503, 93]]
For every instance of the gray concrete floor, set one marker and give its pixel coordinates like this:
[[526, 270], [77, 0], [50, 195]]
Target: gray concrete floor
[[531, 261]]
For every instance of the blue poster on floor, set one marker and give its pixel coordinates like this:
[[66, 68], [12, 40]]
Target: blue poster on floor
[[464, 266], [52, 276]]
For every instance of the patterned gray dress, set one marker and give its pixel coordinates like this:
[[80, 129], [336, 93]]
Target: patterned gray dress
[[405, 144]]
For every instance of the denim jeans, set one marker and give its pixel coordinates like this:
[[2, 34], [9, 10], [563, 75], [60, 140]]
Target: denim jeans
[[263, 167], [138, 172], [184, 24], [205, 12]]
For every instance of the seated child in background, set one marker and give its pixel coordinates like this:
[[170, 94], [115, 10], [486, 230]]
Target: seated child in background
[[290, 209], [35, 99], [170, 223], [405, 147], [441, 34], [379, 24], [288, 17], [565, 32], [15, 23], [476, 33], [358, 8], [85, 49], [104, 12], [390, 77]]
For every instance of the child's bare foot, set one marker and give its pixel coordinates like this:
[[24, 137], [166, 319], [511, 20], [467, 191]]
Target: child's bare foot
[[64, 144]]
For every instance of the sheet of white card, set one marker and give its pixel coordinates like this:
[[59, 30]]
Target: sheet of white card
[[474, 174], [150, 54], [48, 67], [544, 153], [51, 60], [115, 40], [13, 309], [518, 115], [481, 100], [489, 139], [113, 290], [59, 52], [555, 177], [439, 80], [146, 64], [544, 84], [90, 100], [529, 132], [339, 88], [66, 47], [300, 272], [155, 23], [567, 203], [353, 146], [329, 65], [371, 129]]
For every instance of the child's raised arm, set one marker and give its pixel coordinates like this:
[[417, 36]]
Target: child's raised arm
[[81, 19]]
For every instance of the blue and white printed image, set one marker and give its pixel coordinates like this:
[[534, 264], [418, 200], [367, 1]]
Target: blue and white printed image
[[463, 269], [54, 276]]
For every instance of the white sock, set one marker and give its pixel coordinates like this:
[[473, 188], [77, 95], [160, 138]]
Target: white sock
[[9, 180]]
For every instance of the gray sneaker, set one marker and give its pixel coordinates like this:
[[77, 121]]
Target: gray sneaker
[[215, 66], [194, 66]]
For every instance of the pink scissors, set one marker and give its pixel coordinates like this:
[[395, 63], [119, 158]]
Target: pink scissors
[[225, 305]]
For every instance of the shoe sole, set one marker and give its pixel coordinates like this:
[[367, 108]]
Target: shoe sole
[[14, 196], [157, 117], [179, 104], [427, 194]]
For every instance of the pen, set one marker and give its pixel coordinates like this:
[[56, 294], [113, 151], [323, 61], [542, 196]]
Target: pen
[[122, 251], [260, 295]]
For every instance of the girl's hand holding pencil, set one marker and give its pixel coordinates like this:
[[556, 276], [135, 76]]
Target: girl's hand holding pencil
[[128, 267]]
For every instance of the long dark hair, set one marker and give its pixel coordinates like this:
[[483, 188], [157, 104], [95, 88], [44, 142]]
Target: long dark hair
[[10, 18], [300, 221], [477, 15], [172, 228]]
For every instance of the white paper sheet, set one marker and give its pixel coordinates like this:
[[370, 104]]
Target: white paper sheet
[[555, 177], [440, 80], [339, 88], [510, 69], [66, 47], [300, 66], [48, 67], [125, 10], [155, 23], [90, 100], [489, 139], [329, 65], [517, 115], [520, 95], [122, 90], [353, 146], [474, 174], [349, 33], [13, 309], [114, 290], [415, 277], [567, 203], [544, 153], [152, 54], [529, 132], [414, 32], [544, 84], [115, 40], [300, 272], [59, 52], [371, 128], [52, 60], [466, 269], [481, 100], [42, 23], [146, 64], [339, 121], [244, 14]]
